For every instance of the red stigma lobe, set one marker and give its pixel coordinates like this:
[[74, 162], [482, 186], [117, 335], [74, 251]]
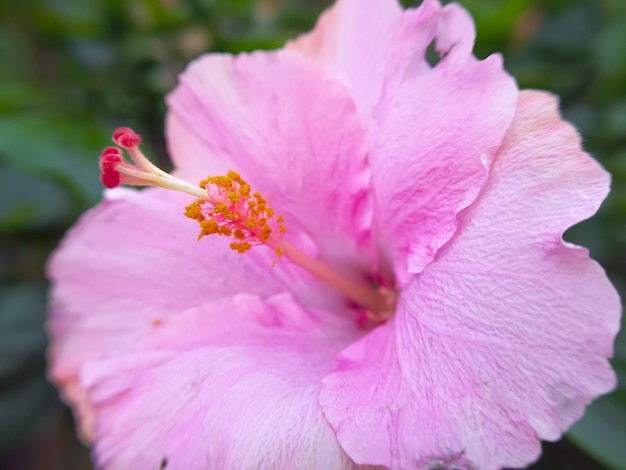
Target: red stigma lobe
[[109, 176], [126, 137]]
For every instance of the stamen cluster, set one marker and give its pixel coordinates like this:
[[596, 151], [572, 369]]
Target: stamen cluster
[[231, 210], [226, 206]]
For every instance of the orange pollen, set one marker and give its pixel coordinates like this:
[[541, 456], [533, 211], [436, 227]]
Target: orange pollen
[[230, 210]]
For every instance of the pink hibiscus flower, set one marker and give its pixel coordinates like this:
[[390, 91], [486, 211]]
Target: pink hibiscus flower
[[414, 305]]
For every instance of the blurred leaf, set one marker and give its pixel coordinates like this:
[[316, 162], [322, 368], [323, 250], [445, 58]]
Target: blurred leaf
[[22, 406], [602, 432], [16, 95], [556, 34], [29, 202], [22, 314], [495, 21], [55, 147], [24, 392], [616, 117], [610, 48]]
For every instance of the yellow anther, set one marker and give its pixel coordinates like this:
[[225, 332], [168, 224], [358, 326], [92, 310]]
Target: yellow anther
[[266, 231], [251, 204], [239, 235], [226, 231], [279, 252], [262, 222], [281, 229], [236, 177], [240, 247], [208, 227], [269, 211], [280, 219], [194, 211], [233, 197], [251, 224], [221, 181], [244, 190]]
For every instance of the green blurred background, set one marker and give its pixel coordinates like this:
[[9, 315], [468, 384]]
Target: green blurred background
[[73, 70]]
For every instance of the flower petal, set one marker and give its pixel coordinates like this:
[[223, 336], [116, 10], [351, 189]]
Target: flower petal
[[369, 48], [133, 262], [292, 132], [231, 384], [363, 47], [503, 339], [433, 130]]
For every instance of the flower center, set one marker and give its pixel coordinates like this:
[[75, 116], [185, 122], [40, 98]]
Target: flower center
[[230, 210], [226, 206]]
